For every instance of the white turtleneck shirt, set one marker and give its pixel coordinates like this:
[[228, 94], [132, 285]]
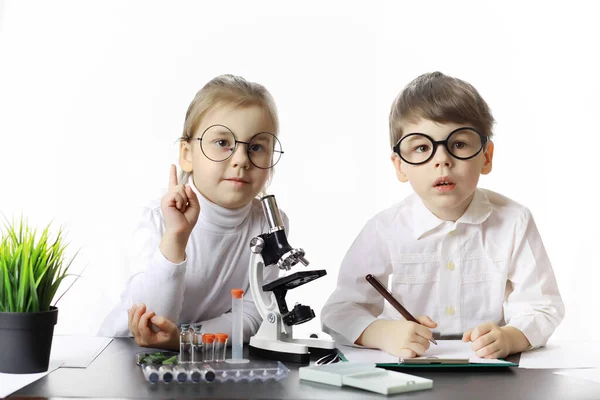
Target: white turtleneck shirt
[[198, 290]]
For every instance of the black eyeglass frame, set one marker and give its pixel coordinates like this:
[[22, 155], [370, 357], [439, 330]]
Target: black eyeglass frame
[[436, 143], [235, 146]]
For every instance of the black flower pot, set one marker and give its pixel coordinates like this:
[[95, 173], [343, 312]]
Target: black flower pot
[[26, 340]]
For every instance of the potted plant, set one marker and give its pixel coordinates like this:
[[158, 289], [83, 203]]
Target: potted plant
[[31, 270]]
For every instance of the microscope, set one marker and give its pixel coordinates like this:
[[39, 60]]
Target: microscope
[[274, 339]]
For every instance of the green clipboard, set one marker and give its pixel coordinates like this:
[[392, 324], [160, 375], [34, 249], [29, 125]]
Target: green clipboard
[[434, 362]]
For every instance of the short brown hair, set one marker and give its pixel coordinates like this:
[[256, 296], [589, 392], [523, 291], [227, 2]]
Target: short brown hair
[[439, 98]]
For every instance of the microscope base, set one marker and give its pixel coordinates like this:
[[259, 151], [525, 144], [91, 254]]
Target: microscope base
[[296, 358], [315, 343], [279, 350], [294, 350]]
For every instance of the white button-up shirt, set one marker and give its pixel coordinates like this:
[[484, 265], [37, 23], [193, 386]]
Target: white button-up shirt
[[488, 266]]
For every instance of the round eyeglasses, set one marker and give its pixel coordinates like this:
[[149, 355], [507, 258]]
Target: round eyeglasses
[[462, 143], [218, 143]]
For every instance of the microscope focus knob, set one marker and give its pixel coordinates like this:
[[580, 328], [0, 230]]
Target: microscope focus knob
[[291, 258], [257, 244], [299, 314]]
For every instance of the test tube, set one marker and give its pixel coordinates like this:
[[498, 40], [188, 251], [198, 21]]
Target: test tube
[[221, 346], [195, 374], [208, 343], [180, 373], [208, 372], [197, 344], [237, 331], [151, 373], [166, 373], [184, 343]]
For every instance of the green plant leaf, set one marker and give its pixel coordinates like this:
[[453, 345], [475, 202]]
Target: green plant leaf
[[32, 267]]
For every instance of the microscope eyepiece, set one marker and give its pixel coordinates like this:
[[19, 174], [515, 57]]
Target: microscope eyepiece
[[271, 211], [274, 245]]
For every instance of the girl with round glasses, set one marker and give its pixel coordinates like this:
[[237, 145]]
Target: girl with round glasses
[[191, 247]]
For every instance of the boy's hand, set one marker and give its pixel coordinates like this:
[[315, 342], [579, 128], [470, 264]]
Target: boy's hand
[[491, 341], [404, 339], [140, 322], [488, 341], [180, 208]]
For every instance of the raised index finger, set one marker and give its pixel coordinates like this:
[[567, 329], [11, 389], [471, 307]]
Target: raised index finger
[[173, 177]]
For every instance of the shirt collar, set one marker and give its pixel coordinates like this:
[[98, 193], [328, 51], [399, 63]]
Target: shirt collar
[[479, 210], [425, 221]]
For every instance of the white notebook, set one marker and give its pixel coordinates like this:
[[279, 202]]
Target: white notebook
[[445, 350]]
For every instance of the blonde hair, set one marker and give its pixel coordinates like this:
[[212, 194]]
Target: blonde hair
[[227, 90], [439, 98]]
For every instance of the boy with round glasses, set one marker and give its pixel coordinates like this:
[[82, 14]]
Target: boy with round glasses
[[470, 262]]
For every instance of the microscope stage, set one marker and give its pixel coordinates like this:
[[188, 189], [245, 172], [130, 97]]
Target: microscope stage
[[294, 280]]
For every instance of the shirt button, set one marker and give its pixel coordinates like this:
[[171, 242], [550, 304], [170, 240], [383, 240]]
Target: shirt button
[[450, 266], [450, 310], [452, 232]]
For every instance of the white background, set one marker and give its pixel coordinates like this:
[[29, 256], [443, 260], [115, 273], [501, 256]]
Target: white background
[[93, 96]]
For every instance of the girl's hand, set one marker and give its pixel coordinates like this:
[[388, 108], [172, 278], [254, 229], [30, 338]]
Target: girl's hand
[[140, 322], [404, 339], [180, 207]]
